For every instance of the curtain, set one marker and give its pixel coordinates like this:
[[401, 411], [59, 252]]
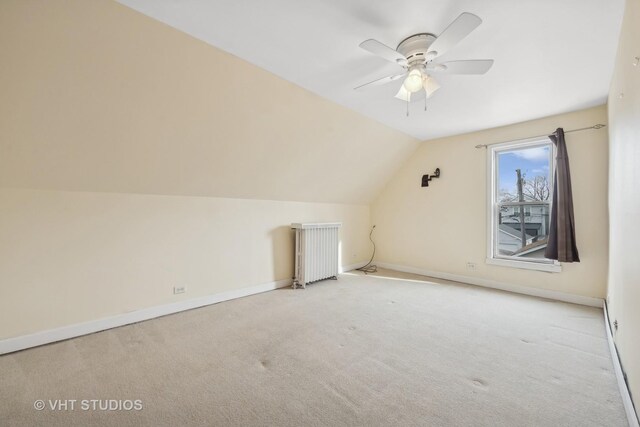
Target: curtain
[[561, 245]]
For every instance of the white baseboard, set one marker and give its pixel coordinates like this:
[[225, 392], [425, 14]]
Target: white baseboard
[[543, 293], [10, 345], [632, 417], [345, 268]]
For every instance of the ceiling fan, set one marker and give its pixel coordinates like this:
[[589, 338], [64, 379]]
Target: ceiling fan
[[416, 54]]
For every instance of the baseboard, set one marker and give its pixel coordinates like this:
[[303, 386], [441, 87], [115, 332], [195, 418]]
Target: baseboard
[[10, 345], [543, 293], [632, 417], [345, 268]]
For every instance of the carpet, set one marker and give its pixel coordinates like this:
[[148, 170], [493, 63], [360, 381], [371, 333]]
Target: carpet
[[390, 349]]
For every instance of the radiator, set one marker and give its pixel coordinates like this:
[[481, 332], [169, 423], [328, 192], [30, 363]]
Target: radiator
[[316, 252]]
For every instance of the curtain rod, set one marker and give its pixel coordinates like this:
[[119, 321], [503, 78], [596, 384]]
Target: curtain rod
[[598, 126]]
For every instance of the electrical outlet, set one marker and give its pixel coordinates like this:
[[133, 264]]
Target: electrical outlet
[[179, 289], [471, 265]]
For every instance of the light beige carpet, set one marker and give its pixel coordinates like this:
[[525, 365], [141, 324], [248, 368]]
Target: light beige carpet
[[358, 351]]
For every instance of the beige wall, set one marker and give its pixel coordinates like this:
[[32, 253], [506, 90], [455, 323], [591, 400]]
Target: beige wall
[[442, 227], [134, 158], [624, 199], [98, 97], [68, 257]]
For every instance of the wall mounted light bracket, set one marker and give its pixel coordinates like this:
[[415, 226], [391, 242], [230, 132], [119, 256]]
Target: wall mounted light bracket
[[427, 178]]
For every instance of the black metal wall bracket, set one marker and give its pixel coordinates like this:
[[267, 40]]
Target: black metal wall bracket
[[427, 178]]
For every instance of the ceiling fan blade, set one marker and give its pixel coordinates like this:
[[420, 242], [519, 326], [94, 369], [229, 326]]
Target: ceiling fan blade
[[474, 66], [382, 81], [383, 51], [454, 33]]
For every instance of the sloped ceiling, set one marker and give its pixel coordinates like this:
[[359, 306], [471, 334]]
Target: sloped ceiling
[[550, 56], [98, 97]]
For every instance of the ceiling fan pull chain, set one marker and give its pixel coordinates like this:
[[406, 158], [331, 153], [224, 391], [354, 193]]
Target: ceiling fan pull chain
[[408, 105], [425, 102]]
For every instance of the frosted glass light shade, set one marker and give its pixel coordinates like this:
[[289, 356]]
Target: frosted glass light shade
[[413, 82], [430, 85]]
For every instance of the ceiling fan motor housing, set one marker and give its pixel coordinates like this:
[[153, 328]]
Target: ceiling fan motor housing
[[416, 47]]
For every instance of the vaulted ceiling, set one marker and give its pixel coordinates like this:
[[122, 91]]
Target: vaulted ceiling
[[550, 56]]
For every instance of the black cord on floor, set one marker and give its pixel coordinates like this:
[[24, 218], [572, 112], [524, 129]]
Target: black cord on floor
[[368, 268]]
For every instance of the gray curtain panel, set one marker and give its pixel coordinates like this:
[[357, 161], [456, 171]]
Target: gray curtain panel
[[562, 231]]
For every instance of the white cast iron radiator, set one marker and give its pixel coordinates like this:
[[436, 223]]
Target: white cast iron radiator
[[316, 252]]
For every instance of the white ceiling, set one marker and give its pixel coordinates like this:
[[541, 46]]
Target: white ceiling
[[550, 56]]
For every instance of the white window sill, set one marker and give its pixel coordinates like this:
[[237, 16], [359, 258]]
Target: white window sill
[[526, 265]]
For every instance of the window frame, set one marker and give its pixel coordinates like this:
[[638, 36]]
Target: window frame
[[492, 205]]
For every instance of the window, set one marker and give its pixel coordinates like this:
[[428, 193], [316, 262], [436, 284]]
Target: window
[[520, 204]]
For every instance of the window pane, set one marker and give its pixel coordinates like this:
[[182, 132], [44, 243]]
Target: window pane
[[511, 241], [523, 175], [532, 166]]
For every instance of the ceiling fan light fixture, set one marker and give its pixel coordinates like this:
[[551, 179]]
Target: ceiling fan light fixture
[[413, 82], [430, 85], [416, 55], [403, 94]]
